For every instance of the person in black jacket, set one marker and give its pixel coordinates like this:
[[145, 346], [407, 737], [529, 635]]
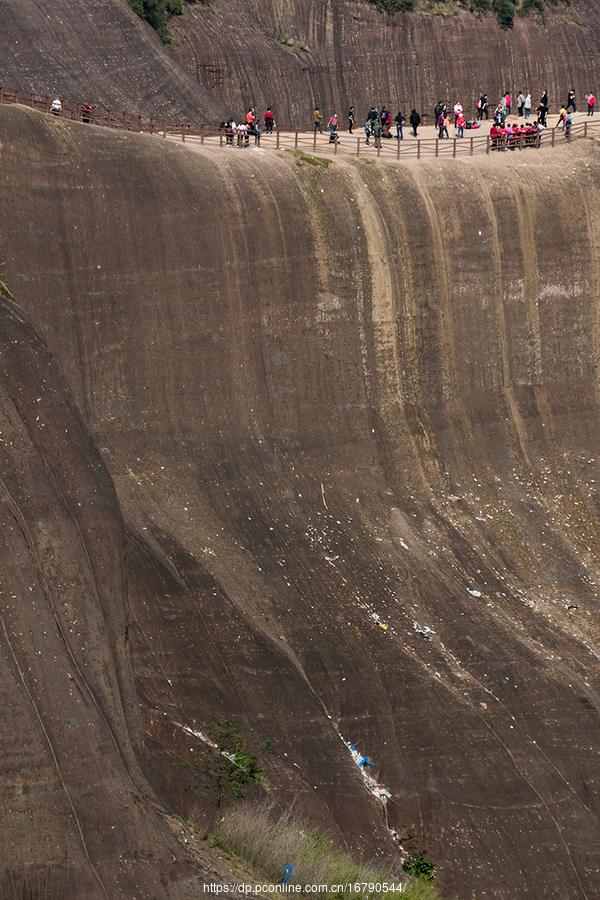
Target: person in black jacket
[[399, 120], [351, 121], [415, 121], [543, 108], [571, 101]]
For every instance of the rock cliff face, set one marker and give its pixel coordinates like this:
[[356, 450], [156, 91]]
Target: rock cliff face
[[358, 56], [228, 56], [78, 817], [99, 51], [352, 417]]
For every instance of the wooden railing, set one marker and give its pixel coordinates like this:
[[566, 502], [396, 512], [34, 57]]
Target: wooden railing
[[307, 141], [391, 148], [96, 115]]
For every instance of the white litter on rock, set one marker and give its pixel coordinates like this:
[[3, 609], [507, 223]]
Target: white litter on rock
[[361, 761]]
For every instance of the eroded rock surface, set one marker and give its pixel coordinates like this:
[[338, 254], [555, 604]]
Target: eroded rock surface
[[99, 51], [329, 401], [77, 815], [359, 56]]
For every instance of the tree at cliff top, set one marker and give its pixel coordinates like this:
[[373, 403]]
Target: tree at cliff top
[[504, 10], [158, 12]]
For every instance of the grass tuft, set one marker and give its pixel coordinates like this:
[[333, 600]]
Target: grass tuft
[[313, 160], [268, 838]]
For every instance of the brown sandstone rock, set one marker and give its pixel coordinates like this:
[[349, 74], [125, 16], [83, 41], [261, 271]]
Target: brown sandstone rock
[[323, 396], [359, 56], [99, 51]]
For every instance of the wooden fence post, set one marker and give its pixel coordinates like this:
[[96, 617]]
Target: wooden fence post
[[553, 130], [202, 134], [164, 129], [315, 142], [419, 149], [296, 140], [436, 147], [471, 153], [398, 150], [183, 133], [139, 123], [487, 145], [277, 141], [358, 146], [335, 143]]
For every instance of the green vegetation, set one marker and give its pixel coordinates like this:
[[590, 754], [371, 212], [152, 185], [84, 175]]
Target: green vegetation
[[420, 867], [393, 6], [505, 13], [504, 10], [313, 160], [531, 6], [286, 41], [6, 293], [191, 825], [267, 838], [158, 12], [227, 768], [303, 48]]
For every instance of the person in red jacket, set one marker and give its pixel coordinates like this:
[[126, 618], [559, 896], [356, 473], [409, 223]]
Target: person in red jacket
[[591, 100], [269, 121], [496, 136]]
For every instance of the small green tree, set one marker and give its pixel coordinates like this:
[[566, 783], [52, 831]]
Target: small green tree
[[228, 768], [420, 867], [505, 13]]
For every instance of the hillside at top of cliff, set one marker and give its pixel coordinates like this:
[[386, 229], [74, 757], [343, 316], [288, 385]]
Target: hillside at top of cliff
[[295, 56], [228, 55]]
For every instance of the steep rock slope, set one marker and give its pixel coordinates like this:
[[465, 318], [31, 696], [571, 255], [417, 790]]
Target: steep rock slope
[[78, 818], [333, 401], [358, 56], [99, 51]]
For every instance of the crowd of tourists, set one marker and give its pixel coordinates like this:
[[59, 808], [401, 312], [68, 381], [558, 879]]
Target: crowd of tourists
[[380, 123]]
